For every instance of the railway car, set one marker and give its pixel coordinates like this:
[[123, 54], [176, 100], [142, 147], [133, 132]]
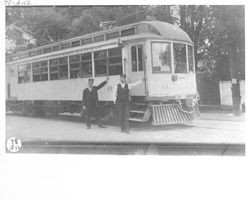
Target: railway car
[[51, 78]]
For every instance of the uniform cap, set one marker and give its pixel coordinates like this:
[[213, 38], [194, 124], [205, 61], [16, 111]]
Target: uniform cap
[[123, 75], [91, 80]]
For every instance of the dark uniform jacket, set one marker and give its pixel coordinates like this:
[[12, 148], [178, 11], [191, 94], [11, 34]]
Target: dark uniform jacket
[[122, 93], [90, 98]]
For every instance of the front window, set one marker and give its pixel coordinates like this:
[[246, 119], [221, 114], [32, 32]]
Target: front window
[[180, 61], [191, 58], [161, 57]]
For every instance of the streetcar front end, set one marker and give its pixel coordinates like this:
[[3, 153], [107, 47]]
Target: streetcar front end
[[170, 90], [171, 82]]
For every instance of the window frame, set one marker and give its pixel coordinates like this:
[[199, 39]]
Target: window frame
[[137, 46], [171, 55], [54, 72], [41, 72], [65, 45], [192, 58], [185, 45], [62, 64], [116, 63], [127, 32], [34, 69], [80, 63], [74, 70], [99, 38], [75, 43], [112, 35], [44, 73], [27, 70], [99, 59], [83, 61], [86, 41]]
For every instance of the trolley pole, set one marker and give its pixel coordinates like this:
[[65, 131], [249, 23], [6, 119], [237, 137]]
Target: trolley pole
[[235, 77]]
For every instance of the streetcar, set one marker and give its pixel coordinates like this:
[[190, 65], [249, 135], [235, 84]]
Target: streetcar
[[51, 78]]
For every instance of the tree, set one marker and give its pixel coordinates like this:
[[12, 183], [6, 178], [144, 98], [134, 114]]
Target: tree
[[231, 38], [198, 22], [55, 23], [164, 13], [44, 24]]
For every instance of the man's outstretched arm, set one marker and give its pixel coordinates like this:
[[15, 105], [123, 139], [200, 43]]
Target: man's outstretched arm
[[103, 83], [132, 85]]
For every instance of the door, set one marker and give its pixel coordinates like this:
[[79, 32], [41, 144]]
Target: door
[[136, 68]]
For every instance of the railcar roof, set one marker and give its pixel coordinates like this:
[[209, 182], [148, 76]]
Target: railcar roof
[[162, 29], [170, 31]]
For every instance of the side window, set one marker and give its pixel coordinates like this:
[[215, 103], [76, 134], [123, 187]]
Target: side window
[[74, 62], [36, 71], [191, 58], [115, 61], [21, 74], [180, 62], [24, 73], [53, 68], [28, 73], [137, 58], [44, 70], [63, 68], [100, 58], [86, 65], [80, 65]]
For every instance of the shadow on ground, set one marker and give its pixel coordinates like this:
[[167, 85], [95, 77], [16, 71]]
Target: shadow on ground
[[138, 126]]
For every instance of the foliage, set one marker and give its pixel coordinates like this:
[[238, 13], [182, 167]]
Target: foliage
[[230, 37], [213, 29], [55, 23], [198, 22]]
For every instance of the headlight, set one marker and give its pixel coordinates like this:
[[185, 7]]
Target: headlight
[[189, 102]]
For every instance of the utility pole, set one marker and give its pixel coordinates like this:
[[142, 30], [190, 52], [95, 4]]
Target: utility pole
[[235, 77]]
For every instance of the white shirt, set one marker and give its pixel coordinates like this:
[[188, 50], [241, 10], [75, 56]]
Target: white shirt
[[130, 86]]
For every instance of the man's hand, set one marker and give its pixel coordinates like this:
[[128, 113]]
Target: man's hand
[[107, 79], [84, 107]]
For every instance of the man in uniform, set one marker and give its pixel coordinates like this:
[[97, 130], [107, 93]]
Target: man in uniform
[[90, 102], [121, 99]]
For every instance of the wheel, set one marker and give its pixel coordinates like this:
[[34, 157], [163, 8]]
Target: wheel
[[28, 110]]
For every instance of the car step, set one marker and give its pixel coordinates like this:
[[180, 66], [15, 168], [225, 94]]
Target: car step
[[136, 119], [137, 111], [140, 112]]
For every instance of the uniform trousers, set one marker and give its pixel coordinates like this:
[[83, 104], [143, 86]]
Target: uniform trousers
[[123, 113], [91, 110]]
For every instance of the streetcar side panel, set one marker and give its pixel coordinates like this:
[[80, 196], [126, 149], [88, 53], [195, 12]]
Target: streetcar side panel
[[61, 90]]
